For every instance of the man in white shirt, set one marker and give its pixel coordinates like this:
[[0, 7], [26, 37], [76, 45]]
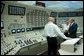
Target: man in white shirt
[[51, 31], [65, 28]]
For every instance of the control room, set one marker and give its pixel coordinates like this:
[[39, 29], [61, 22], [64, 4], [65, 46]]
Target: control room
[[41, 27]]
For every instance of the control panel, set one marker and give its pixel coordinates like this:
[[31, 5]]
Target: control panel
[[21, 26], [9, 44], [17, 18], [6, 45]]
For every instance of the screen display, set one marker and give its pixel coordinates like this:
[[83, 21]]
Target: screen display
[[53, 14], [29, 29], [2, 25], [18, 30], [16, 10], [23, 29], [13, 30]]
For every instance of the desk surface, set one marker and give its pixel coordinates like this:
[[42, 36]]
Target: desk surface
[[72, 41], [78, 52]]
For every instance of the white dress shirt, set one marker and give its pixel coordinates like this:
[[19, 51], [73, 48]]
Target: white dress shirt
[[65, 27], [53, 30]]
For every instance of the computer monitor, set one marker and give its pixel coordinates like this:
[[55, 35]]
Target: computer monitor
[[2, 25], [13, 30], [53, 14], [16, 10], [28, 29], [23, 29], [18, 30]]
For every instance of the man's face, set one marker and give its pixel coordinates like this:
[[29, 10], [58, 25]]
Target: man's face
[[52, 19], [67, 22], [71, 21]]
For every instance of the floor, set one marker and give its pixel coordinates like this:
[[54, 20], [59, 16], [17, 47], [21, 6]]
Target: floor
[[46, 53]]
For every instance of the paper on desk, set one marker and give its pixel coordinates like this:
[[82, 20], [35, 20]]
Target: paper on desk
[[72, 41]]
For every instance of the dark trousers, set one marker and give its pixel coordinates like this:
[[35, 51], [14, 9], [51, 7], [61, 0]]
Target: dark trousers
[[52, 45], [66, 34]]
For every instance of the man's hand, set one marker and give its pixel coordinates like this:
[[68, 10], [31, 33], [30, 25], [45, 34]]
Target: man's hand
[[69, 34], [66, 30]]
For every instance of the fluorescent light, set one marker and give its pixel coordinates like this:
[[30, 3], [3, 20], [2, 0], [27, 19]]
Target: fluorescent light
[[27, 2]]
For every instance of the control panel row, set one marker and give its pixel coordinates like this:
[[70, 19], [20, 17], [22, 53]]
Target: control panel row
[[20, 30], [23, 43], [25, 29], [6, 47]]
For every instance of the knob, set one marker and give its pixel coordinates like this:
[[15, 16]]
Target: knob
[[23, 44], [2, 53], [5, 52]]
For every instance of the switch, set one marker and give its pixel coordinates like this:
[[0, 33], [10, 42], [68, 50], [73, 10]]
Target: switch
[[23, 44], [42, 39], [5, 52], [2, 53]]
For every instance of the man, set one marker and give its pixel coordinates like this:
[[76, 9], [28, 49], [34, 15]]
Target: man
[[65, 28], [72, 28], [51, 31]]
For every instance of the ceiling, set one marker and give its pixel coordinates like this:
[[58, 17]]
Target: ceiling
[[58, 5]]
